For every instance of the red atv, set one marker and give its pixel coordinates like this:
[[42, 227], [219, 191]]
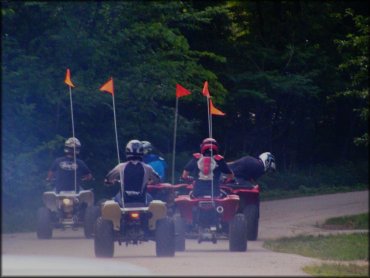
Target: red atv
[[209, 219], [249, 205]]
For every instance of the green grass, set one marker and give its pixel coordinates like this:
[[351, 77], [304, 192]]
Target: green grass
[[340, 247], [360, 221], [337, 270], [344, 247]]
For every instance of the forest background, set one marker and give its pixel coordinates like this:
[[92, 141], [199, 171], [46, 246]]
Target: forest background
[[291, 76]]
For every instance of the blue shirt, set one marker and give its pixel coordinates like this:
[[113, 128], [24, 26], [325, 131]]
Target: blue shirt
[[158, 164]]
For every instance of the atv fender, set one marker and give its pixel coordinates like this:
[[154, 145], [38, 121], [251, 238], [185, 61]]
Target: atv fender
[[50, 200], [87, 196], [158, 210], [112, 211]]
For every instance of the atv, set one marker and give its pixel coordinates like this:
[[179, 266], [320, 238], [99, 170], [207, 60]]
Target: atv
[[134, 223], [249, 205], [66, 209], [209, 219]]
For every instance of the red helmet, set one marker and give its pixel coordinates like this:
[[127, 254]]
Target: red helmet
[[209, 144]]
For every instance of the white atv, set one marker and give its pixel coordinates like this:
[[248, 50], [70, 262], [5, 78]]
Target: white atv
[[67, 209], [133, 224]]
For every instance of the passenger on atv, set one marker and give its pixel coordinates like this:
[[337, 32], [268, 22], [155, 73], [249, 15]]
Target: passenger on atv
[[248, 169], [155, 160], [207, 166], [68, 171], [134, 176]]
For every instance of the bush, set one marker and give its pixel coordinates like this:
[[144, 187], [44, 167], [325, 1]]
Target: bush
[[346, 174]]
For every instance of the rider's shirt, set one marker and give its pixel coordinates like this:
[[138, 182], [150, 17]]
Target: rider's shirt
[[134, 176], [158, 164], [206, 168], [64, 169], [247, 168]]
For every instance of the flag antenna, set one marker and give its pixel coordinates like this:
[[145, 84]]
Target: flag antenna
[[68, 81], [108, 87], [180, 92]]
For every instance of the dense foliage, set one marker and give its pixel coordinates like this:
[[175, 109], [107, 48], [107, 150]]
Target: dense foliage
[[292, 77]]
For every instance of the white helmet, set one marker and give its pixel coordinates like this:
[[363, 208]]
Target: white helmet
[[147, 146], [72, 144], [268, 161], [134, 148]]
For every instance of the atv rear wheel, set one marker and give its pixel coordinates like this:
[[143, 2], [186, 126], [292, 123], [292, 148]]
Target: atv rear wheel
[[165, 237], [237, 234], [91, 215], [251, 214], [44, 223], [104, 238], [179, 233]]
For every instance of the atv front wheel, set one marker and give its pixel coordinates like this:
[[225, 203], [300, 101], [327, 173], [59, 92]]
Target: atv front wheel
[[44, 223], [91, 214], [237, 234], [165, 237], [251, 214], [104, 238]]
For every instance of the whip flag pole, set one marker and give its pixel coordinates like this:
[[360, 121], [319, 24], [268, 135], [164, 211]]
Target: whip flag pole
[[108, 87], [68, 81], [180, 92], [205, 92], [211, 110]]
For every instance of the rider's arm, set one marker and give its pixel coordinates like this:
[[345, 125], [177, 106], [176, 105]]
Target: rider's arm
[[50, 175], [84, 170], [226, 170], [113, 175], [153, 177], [87, 177], [185, 175], [189, 168]]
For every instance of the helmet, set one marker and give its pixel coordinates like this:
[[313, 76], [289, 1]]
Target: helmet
[[72, 144], [134, 149], [209, 144], [268, 161], [147, 146]]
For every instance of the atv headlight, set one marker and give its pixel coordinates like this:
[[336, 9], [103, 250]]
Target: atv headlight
[[67, 204]]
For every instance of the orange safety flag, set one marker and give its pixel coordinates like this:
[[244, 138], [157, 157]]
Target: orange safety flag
[[108, 87], [67, 80], [205, 89], [181, 91], [214, 110]]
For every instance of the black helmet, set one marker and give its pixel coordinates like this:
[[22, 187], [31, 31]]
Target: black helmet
[[209, 144], [134, 149], [72, 144]]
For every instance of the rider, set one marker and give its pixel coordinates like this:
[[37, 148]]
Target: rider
[[64, 168], [249, 168], [208, 165], [134, 175], [157, 162]]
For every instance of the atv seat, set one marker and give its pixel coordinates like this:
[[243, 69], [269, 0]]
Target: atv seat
[[135, 205]]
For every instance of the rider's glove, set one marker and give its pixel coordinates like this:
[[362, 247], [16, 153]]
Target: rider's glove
[[230, 180]]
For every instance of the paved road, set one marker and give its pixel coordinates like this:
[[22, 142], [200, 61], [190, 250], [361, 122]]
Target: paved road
[[70, 254]]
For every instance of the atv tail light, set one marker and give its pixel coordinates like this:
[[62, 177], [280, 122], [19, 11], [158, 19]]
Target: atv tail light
[[134, 215]]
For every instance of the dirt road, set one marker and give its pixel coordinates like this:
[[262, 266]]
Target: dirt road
[[68, 253]]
